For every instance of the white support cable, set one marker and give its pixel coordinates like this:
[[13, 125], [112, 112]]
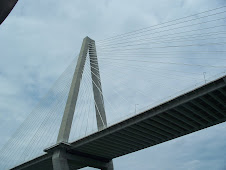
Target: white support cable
[[161, 52], [170, 34], [103, 96], [185, 26], [159, 42], [28, 152], [166, 39], [79, 109], [59, 100], [139, 70], [159, 68], [153, 56], [14, 151], [129, 114], [53, 136], [89, 103], [84, 77], [79, 136], [160, 84], [94, 125], [82, 112], [88, 88], [97, 106], [33, 118], [100, 115], [87, 108], [48, 115], [166, 47], [120, 65], [173, 63], [139, 90], [90, 98], [88, 76], [129, 87], [150, 27], [84, 105], [152, 80], [113, 89]]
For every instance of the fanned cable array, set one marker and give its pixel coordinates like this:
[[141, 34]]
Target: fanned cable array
[[146, 67], [40, 129], [138, 70]]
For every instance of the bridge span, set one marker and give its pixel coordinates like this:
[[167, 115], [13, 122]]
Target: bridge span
[[200, 108]]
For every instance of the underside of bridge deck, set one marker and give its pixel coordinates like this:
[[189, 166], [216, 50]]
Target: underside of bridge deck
[[198, 109]]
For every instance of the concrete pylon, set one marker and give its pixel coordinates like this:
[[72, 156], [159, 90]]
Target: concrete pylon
[[69, 110], [59, 156]]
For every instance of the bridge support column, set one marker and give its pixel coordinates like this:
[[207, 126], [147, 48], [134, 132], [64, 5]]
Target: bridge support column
[[59, 160], [109, 166]]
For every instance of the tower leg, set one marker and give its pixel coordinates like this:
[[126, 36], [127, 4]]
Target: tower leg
[[97, 89], [109, 167], [59, 160], [69, 110]]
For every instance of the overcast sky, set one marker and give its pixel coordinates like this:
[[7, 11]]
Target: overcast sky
[[39, 40]]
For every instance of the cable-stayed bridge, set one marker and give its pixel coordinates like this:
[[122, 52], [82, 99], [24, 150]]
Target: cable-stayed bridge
[[176, 52]]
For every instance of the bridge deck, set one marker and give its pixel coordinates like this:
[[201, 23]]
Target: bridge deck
[[190, 112], [198, 109]]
